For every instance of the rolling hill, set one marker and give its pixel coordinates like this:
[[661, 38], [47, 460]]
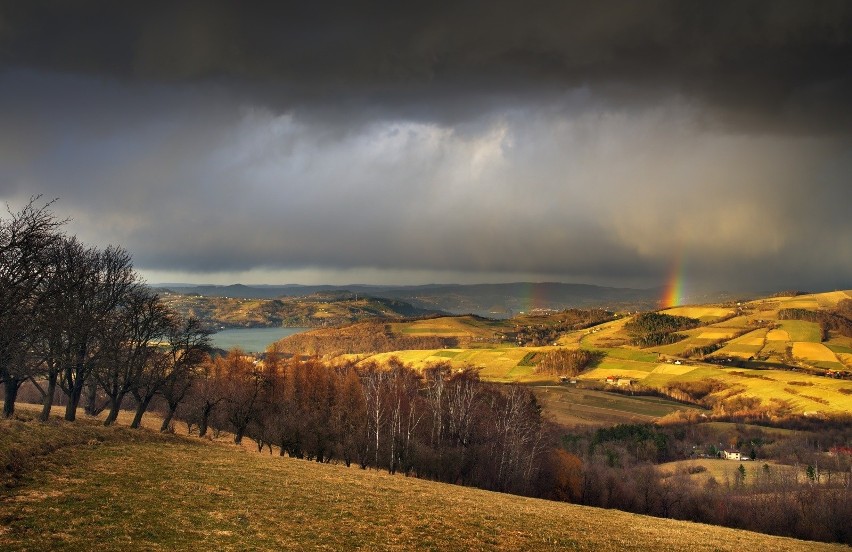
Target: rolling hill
[[493, 300], [755, 350], [328, 308], [83, 486]]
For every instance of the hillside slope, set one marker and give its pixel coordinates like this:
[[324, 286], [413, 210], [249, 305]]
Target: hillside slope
[[752, 351], [317, 310], [172, 493]]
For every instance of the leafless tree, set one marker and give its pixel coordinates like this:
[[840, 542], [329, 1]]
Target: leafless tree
[[132, 336], [91, 285], [26, 238], [188, 348]]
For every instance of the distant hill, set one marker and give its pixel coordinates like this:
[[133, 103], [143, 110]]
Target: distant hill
[[321, 309], [492, 300]]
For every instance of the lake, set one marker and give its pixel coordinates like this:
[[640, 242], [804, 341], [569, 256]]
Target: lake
[[251, 340]]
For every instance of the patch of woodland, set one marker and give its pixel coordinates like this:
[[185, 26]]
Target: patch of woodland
[[653, 328], [567, 362]]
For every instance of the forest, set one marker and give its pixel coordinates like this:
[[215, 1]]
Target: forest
[[652, 328]]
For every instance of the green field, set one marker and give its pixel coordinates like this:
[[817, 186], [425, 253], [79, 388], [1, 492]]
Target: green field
[[800, 330], [121, 492]]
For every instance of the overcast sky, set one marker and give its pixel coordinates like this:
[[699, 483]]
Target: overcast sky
[[594, 142]]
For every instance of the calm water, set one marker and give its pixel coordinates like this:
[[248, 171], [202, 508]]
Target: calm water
[[251, 340]]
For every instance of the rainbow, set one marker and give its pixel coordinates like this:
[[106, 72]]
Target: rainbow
[[673, 290], [534, 296]]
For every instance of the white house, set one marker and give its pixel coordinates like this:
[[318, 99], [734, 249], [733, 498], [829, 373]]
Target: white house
[[731, 454]]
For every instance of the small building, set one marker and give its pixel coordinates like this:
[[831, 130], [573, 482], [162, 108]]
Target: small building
[[732, 454], [624, 382]]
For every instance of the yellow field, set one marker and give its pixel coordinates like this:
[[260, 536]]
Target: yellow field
[[702, 313], [601, 335], [603, 373], [673, 369], [777, 335], [459, 326], [829, 300], [775, 347], [716, 334], [813, 351], [492, 364], [802, 302], [806, 398]]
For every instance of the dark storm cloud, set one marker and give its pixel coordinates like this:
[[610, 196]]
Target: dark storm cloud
[[553, 139], [767, 64]]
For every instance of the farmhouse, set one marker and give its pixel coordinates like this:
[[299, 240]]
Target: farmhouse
[[731, 454]]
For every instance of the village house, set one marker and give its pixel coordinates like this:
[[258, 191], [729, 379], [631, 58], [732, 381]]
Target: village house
[[731, 454]]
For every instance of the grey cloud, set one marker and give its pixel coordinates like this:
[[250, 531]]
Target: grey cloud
[[778, 65], [576, 142]]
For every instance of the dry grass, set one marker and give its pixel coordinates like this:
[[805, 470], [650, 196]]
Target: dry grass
[[777, 335], [703, 313], [181, 494], [725, 470], [813, 351]]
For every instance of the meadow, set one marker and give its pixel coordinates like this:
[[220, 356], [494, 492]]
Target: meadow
[[86, 486]]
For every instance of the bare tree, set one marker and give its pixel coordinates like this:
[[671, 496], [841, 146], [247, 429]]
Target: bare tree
[[206, 394], [93, 284], [188, 348], [26, 238], [132, 336], [244, 383]]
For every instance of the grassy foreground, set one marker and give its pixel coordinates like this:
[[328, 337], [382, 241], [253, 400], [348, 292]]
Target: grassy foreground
[[115, 489]]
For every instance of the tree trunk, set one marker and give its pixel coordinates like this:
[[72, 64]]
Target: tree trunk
[[168, 419], [114, 407], [73, 402], [12, 385], [140, 410], [205, 418], [48, 396], [91, 399], [238, 436]]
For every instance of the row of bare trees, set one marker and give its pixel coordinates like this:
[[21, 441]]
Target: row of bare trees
[[79, 318], [436, 423]]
